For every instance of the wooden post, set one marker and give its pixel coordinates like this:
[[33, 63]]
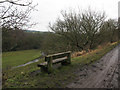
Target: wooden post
[[69, 57], [49, 65]]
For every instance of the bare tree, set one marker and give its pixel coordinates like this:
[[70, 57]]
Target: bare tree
[[12, 17], [92, 23], [110, 30], [79, 29]]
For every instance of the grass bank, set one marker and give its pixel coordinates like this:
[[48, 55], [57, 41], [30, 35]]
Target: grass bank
[[15, 58], [31, 77]]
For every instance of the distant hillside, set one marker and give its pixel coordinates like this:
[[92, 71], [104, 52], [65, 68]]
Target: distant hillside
[[34, 31]]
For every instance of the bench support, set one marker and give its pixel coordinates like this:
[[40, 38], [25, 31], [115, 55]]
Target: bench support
[[64, 63], [69, 58], [44, 69], [49, 66]]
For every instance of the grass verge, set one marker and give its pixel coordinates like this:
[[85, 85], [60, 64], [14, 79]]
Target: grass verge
[[15, 58]]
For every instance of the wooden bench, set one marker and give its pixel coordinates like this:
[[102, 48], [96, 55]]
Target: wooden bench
[[64, 58]]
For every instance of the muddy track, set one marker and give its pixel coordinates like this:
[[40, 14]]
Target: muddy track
[[102, 74]]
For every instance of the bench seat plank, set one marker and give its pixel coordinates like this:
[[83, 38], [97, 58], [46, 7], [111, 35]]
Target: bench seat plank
[[59, 60], [42, 64], [58, 54], [53, 61]]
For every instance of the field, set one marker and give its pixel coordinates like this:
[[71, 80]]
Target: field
[[30, 75], [15, 58]]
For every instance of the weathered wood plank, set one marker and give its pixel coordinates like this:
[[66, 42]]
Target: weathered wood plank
[[59, 60], [42, 64], [58, 55], [53, 61]]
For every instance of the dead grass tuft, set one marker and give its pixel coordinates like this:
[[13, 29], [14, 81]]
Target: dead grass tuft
[[76, 54], [82, 53]]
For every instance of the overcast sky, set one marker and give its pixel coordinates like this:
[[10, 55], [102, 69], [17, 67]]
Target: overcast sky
[[49, 10]]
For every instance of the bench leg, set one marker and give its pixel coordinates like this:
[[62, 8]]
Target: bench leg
[[69, 58], [49, 66], [44, 69], [65, 63]]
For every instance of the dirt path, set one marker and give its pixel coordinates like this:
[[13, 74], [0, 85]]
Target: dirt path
[[102, 74]]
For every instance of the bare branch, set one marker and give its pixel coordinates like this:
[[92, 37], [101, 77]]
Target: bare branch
[[12, 17], [15, 2]]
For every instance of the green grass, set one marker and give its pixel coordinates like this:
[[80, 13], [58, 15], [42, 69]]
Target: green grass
[[30, 77], [15, 58]]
